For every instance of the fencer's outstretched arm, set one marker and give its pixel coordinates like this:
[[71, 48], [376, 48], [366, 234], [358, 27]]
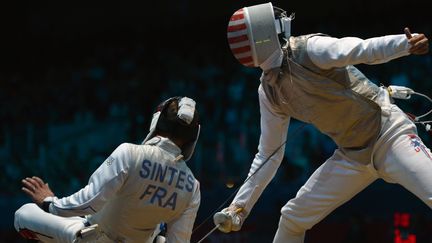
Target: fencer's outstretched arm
[[328, 52], [274, 131], [102, 185]]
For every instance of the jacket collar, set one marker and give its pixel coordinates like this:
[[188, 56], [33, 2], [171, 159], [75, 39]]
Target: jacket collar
[[165, 144]]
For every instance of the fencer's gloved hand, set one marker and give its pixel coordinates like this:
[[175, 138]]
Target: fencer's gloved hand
[[229, 219]]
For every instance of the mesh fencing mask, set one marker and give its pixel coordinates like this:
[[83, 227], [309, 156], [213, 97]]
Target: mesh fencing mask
[[177, 117]]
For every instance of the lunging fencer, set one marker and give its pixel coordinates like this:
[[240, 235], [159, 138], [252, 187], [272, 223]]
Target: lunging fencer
[[312, 78], [137, 192]]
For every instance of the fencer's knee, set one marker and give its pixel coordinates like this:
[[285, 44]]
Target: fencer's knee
[[298, 218], [23, 214], [288, 225], [288, 232]]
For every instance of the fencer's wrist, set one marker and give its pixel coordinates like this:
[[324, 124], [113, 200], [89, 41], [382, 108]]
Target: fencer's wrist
[[239, 209], [45, 206], [46, 203]]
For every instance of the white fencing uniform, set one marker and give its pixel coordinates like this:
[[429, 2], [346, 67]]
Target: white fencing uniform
[[136, 188], [375, 138]]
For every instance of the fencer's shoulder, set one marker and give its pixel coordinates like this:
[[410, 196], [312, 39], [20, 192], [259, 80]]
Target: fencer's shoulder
[[126, 147], [298, 45], [127, 150], [307, 36]]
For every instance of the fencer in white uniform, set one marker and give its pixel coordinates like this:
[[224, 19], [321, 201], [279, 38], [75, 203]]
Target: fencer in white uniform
[[312, 78], [132, 192]]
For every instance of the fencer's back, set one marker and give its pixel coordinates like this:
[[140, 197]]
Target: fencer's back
[[158, 188]]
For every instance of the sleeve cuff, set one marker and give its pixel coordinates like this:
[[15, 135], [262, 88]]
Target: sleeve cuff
[[46, 204]]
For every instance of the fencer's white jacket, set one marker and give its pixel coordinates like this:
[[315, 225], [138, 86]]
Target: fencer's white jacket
[[323, 55], [136, 188]]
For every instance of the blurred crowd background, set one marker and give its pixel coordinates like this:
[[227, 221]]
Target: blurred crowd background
[[78, 80]]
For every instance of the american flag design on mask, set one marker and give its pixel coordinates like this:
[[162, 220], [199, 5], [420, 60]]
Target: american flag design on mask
[[238, 39], [418, 145]]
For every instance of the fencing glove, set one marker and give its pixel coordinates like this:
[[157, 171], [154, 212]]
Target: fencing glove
[[229, 219]]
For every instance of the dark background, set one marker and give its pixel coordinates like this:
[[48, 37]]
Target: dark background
[[76, 80]]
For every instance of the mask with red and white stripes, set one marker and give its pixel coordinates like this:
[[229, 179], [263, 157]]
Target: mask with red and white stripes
[[253, 33]]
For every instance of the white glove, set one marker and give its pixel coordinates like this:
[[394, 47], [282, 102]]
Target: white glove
[[229, 219]]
